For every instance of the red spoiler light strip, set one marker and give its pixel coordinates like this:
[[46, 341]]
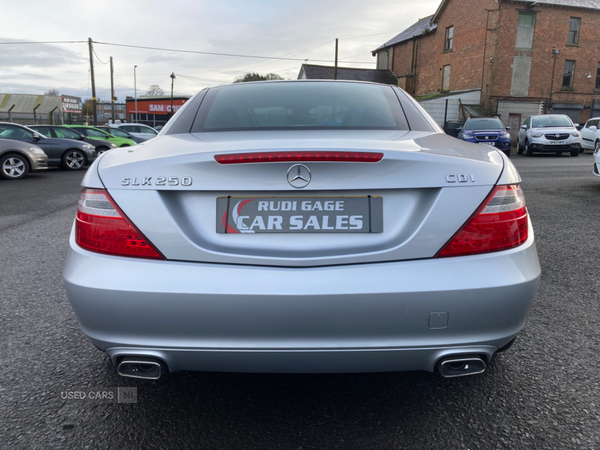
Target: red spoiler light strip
[[265, 157]]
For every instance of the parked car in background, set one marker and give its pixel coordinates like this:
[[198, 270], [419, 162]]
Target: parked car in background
[[318, 226], [590, 135], [453, 127], [137, 129], [596, 170], [65, 153], [550, 133], [487, 131], [95, 133], [121, 133], [57, 131], [17, 159]]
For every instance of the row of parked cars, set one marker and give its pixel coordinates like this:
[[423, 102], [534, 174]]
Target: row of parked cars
[[550, 133], [71, 147]]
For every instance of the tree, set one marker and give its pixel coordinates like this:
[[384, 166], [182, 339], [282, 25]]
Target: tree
[[253, 76], [88, 106], [155, 90], [52, 91]]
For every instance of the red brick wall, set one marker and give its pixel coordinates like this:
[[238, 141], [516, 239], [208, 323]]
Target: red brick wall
[[551, 31], [403, 58], [466, 58]]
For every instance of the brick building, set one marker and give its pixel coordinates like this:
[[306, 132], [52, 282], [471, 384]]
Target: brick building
[[514, 58]]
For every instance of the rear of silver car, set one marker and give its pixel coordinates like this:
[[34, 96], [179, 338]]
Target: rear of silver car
[[303, 252]]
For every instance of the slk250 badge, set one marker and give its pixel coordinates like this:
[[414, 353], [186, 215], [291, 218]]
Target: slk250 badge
[[160, 181]]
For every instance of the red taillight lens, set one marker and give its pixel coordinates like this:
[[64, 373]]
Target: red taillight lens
[[291, 156], [103, 228], [499, 224]]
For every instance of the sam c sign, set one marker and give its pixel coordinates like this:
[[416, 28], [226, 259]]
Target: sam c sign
[[154, 106]]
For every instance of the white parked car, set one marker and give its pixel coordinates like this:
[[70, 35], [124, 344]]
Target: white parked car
[[137, 129], [550, 133], [597, 160], [590, 135]]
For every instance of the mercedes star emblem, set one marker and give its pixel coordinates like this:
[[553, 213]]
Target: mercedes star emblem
[[298, 176]]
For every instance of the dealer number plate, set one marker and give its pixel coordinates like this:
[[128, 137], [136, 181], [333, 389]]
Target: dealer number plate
[[299, 215]]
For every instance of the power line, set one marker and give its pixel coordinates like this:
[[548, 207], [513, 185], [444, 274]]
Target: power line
[[98, 58], [235, 55], [44, 42]]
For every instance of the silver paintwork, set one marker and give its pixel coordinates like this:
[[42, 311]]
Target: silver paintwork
[[310, 302], [353, 318]]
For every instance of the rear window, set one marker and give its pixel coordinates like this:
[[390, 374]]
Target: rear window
[[300, 105]]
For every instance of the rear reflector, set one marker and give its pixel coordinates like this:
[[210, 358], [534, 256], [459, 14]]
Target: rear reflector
[[500, 223], [102, 227], [239, 158]]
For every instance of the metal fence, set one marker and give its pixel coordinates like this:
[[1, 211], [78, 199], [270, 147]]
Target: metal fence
[[40, 119]]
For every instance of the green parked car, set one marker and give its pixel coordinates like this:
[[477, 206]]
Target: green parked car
[[95, 133]]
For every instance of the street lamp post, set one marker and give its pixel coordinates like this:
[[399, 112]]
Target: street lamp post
[[172, 81], [135, 93]]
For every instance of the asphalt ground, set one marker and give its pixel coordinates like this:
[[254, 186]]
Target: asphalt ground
[[541, 394]]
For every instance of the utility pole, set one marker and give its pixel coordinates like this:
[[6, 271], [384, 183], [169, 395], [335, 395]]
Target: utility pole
[[336, 57], [93, 82], [112, 90], [135, 93], [172, 81]]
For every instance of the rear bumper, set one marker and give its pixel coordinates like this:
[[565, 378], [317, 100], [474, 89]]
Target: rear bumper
[[354, 318]]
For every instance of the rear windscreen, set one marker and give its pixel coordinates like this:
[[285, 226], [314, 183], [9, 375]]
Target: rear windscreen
[[300, 105]]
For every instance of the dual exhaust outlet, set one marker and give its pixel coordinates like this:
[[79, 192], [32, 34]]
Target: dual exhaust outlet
[[461, 366], [148, 368], [141, 367]]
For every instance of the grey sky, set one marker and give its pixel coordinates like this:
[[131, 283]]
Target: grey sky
[[299, 29]]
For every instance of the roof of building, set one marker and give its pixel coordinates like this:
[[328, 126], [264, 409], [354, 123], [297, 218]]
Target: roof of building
[[24, 103], [160, 97], [423, 26], [314, 72], [587, 4]]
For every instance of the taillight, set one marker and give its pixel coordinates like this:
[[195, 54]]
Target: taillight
[[500, 223], [294, 156], [102, 227]]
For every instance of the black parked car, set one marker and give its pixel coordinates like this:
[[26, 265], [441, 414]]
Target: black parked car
[[66, 153], [56, 131]]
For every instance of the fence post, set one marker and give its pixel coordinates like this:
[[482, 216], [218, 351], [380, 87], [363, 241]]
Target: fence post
[[446, 116], [51, 116]]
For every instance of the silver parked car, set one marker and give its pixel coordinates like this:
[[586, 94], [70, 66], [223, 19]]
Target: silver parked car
[[302, 226], [17, 159], [138, 130], [550, 133]]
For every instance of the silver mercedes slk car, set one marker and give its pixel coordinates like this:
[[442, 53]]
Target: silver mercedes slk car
[[302, 227]]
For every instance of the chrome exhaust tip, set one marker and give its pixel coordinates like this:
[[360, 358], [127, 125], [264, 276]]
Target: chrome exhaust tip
[[453, 367], [141, 367]]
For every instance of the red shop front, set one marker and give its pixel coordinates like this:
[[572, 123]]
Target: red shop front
[[153, 111]]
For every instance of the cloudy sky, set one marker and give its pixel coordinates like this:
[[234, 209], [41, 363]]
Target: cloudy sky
[[303, 29]]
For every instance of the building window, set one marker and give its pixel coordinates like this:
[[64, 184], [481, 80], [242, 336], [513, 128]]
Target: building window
[[525, 30], [446, 78], [598, 77], [574, 30], [449, 38], [568, 74]]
